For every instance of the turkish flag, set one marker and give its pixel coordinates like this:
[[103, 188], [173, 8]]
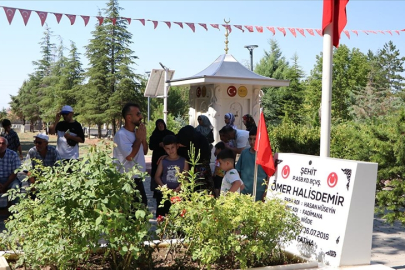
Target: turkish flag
[[334, 10], [263, 148]]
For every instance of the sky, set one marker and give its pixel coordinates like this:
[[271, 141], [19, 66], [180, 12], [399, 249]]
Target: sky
[[182, 50]]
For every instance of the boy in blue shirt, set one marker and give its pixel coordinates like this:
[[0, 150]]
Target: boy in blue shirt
[[246, 166]]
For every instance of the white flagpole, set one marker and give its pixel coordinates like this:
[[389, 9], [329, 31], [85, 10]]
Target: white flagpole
[[256, 166], [326, 90]]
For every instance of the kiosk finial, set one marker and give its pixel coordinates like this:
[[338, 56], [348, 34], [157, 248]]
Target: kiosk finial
[[226, 36]]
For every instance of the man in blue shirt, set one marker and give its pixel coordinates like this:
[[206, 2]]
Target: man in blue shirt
[[9, 162], [246, 166]]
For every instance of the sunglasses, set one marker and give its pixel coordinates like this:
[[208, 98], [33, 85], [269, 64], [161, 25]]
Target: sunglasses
[[38, 142]]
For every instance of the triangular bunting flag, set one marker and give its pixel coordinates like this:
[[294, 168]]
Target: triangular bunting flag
[[240, 27], [214, 25], [388, 31], [155, 24], [9, 13], [42, 16], [396, 31], [228, 27], [128, 20], [179, 23], [259, 29], [85, 19], [311, 32], [382, 32], [365, 32], [72, 18], [347, 33], [142, 21], [191, 25], [319, 31], [271, 29], [169, 24], [292, 30], [249, 28], [100, 20], [114, 21], [25, 14], [355, 31], [58, 16], [301, 31], [282, 30], [203, 25]]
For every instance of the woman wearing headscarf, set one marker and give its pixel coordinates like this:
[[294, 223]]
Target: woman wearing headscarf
[[156, 145], [229, 119], [189, 135], [205, 128], [249, 122]]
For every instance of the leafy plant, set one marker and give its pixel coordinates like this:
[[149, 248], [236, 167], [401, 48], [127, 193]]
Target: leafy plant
[[76, 206], [232, 230]]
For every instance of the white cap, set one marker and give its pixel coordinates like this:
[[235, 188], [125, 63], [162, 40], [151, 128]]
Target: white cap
[[42, 136], [66, 109]]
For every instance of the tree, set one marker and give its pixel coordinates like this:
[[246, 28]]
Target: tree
[[273, 65], [112, 81]]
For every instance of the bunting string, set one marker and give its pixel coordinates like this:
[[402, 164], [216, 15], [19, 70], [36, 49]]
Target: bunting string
[[43, 16]]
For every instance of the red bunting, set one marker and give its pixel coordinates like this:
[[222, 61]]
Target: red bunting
[[259, 29], [169, 24], [347, 33], [382, 32], [128, 20], [355, 31], [271, 29], [388, 31], [240, 27], [365, 32], [114, 21], [334, 11], [155, 24], [26, 15], [203, 25], [142, 21], [58, 16], [301, 31], [100, 20], [249, 28], [319, 32], [191, 25], [9, 13], [227, 27], [85, 19], [215, 25], [311, 32], [72, 18], [42, 16], [396, 31], [292, 30], [179, 24], [282, 30]]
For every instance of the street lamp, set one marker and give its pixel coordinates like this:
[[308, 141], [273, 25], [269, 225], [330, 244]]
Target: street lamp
[[251, 48]]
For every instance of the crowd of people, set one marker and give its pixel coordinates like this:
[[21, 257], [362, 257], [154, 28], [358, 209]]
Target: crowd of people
[[234, 164]]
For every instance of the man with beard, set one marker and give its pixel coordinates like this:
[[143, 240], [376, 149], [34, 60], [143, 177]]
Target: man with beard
[[131, 145]]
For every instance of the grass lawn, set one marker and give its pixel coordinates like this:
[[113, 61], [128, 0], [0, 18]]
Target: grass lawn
[[27, 142]]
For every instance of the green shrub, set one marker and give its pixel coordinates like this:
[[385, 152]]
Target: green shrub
[[62, 227], [231, 230]]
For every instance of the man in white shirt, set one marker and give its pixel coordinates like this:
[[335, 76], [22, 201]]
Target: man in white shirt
[[131, 144], [241, 138]]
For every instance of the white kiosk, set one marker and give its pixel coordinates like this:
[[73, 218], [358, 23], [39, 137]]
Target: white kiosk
[[225, 86]]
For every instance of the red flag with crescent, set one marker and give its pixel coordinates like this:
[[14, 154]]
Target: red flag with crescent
[[25, 14], [42, 16], [72, 18], [203, 25], [282, 30], [58, 16], [271, 29], [85, 19], [100, 20], [264, 155], [9, 13], [191, 25]]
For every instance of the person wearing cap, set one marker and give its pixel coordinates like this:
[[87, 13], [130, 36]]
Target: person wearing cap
[[12, 137], [131, 145], [9, 162], [70, 134], [43, 152]]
